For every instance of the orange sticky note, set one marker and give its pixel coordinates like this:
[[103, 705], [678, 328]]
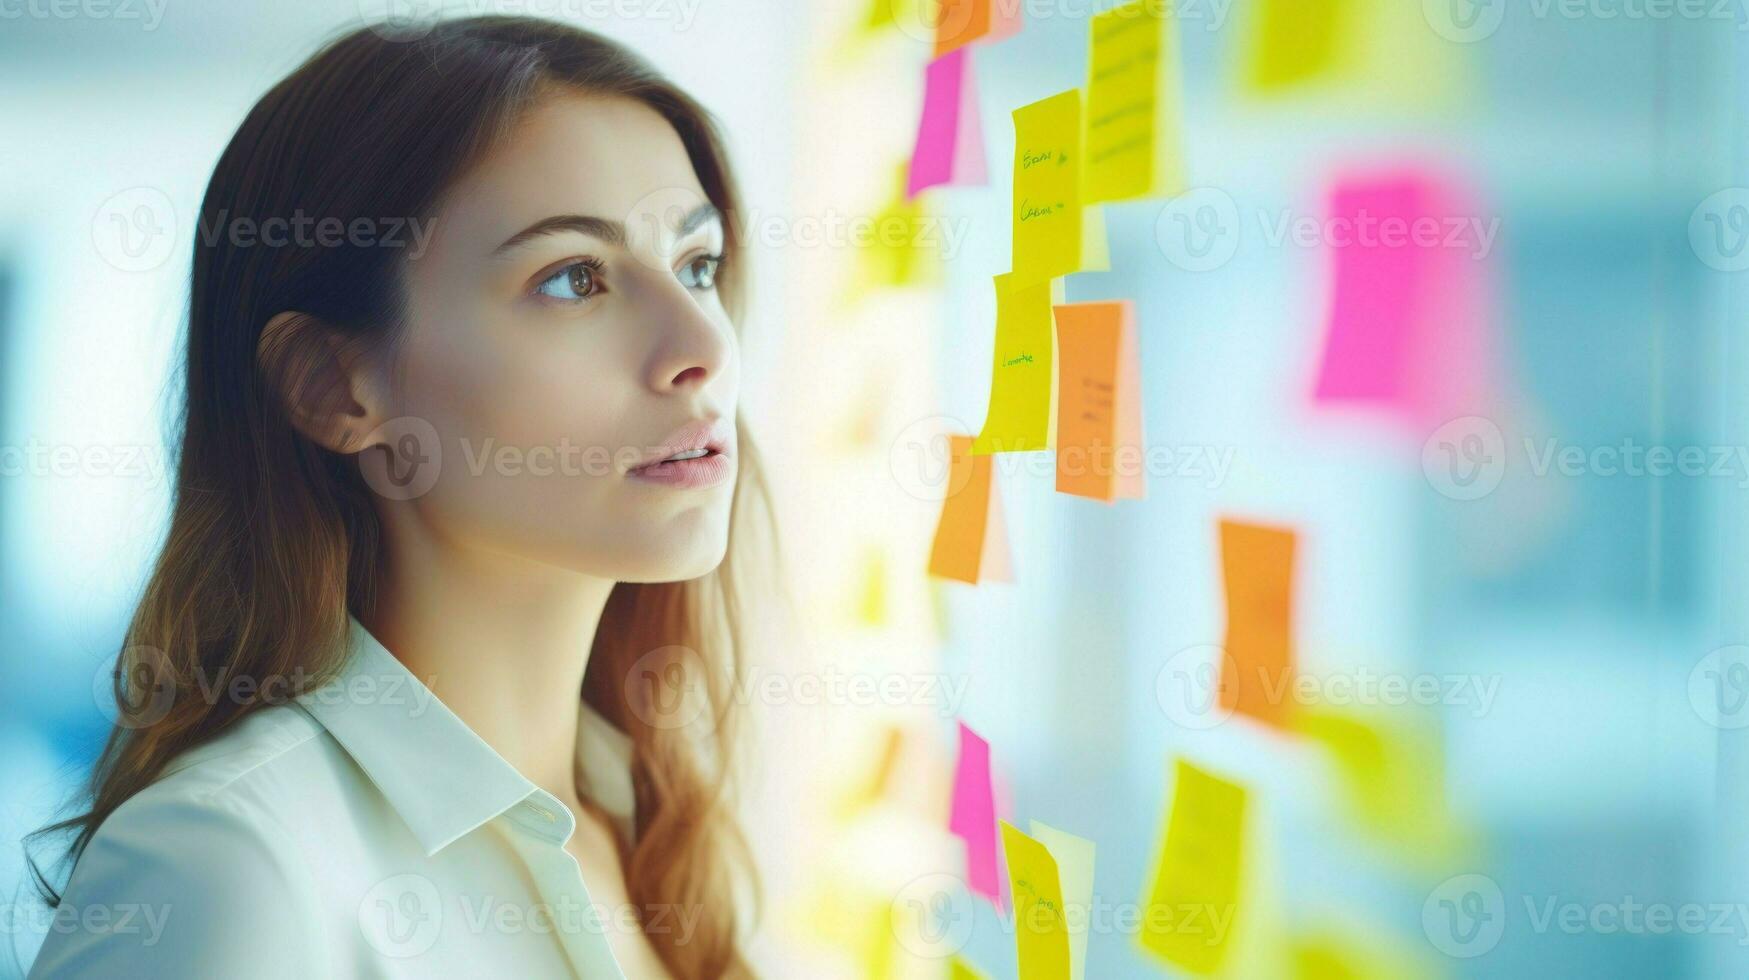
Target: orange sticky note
[[1189, 911], [971, 542], [959, 23], [1257, 567], [1099, 402]]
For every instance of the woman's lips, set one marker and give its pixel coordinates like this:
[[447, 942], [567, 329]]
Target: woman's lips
[[687, 474]]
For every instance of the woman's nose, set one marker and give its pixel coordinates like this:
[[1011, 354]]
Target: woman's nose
[[694, 344]]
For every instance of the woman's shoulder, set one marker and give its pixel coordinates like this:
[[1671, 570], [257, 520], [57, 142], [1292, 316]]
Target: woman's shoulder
[[199, 866], [251, 748]]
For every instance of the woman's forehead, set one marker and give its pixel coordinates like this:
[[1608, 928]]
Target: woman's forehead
[[609, 157]]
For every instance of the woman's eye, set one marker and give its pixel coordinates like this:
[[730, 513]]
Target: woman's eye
[[701, 273], [573, 283]]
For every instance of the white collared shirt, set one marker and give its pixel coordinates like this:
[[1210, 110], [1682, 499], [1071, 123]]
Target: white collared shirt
[[361, 830]]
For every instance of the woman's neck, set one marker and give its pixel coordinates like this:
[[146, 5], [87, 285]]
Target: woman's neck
[[502, 641]]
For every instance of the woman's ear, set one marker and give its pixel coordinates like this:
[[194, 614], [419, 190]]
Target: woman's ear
[[329, 389]]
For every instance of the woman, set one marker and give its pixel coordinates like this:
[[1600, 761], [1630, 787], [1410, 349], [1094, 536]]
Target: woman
[[430, 676]]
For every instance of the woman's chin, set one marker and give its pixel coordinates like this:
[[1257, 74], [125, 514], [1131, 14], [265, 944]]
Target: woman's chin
[[691, 557]]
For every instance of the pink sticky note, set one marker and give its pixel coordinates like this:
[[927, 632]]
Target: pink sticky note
[[1407, 328], [950, 139], [973, 819]]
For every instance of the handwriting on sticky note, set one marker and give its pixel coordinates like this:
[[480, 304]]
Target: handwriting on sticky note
[[1099, 413], [973, 817], [1132, 105], [1191, 906], [1257, 568], [1021, 417], [1048, 230], [1074, 857], [1041, 933]]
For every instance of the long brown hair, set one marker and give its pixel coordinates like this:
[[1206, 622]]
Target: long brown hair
[[273, 539]]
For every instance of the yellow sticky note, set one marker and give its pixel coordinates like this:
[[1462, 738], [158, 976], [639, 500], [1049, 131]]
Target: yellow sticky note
[[1384, 54], [1393, 774], [896, 252], [1074, 857], [1023, 388], [1053, 233], [961, 970], [1095, 250], [1188, 913], [836, 914], [1041, 933], [1341, 954], [870, 779], [871, 601], [883, 14], [1133, 146], [1295, 41]]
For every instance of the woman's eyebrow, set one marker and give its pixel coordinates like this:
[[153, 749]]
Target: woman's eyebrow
[[611, 232]]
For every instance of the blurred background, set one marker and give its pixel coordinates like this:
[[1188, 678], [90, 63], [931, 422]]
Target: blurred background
[[1566, 611]]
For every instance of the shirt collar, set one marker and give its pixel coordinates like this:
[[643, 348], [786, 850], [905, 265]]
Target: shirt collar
[[435, 771]]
